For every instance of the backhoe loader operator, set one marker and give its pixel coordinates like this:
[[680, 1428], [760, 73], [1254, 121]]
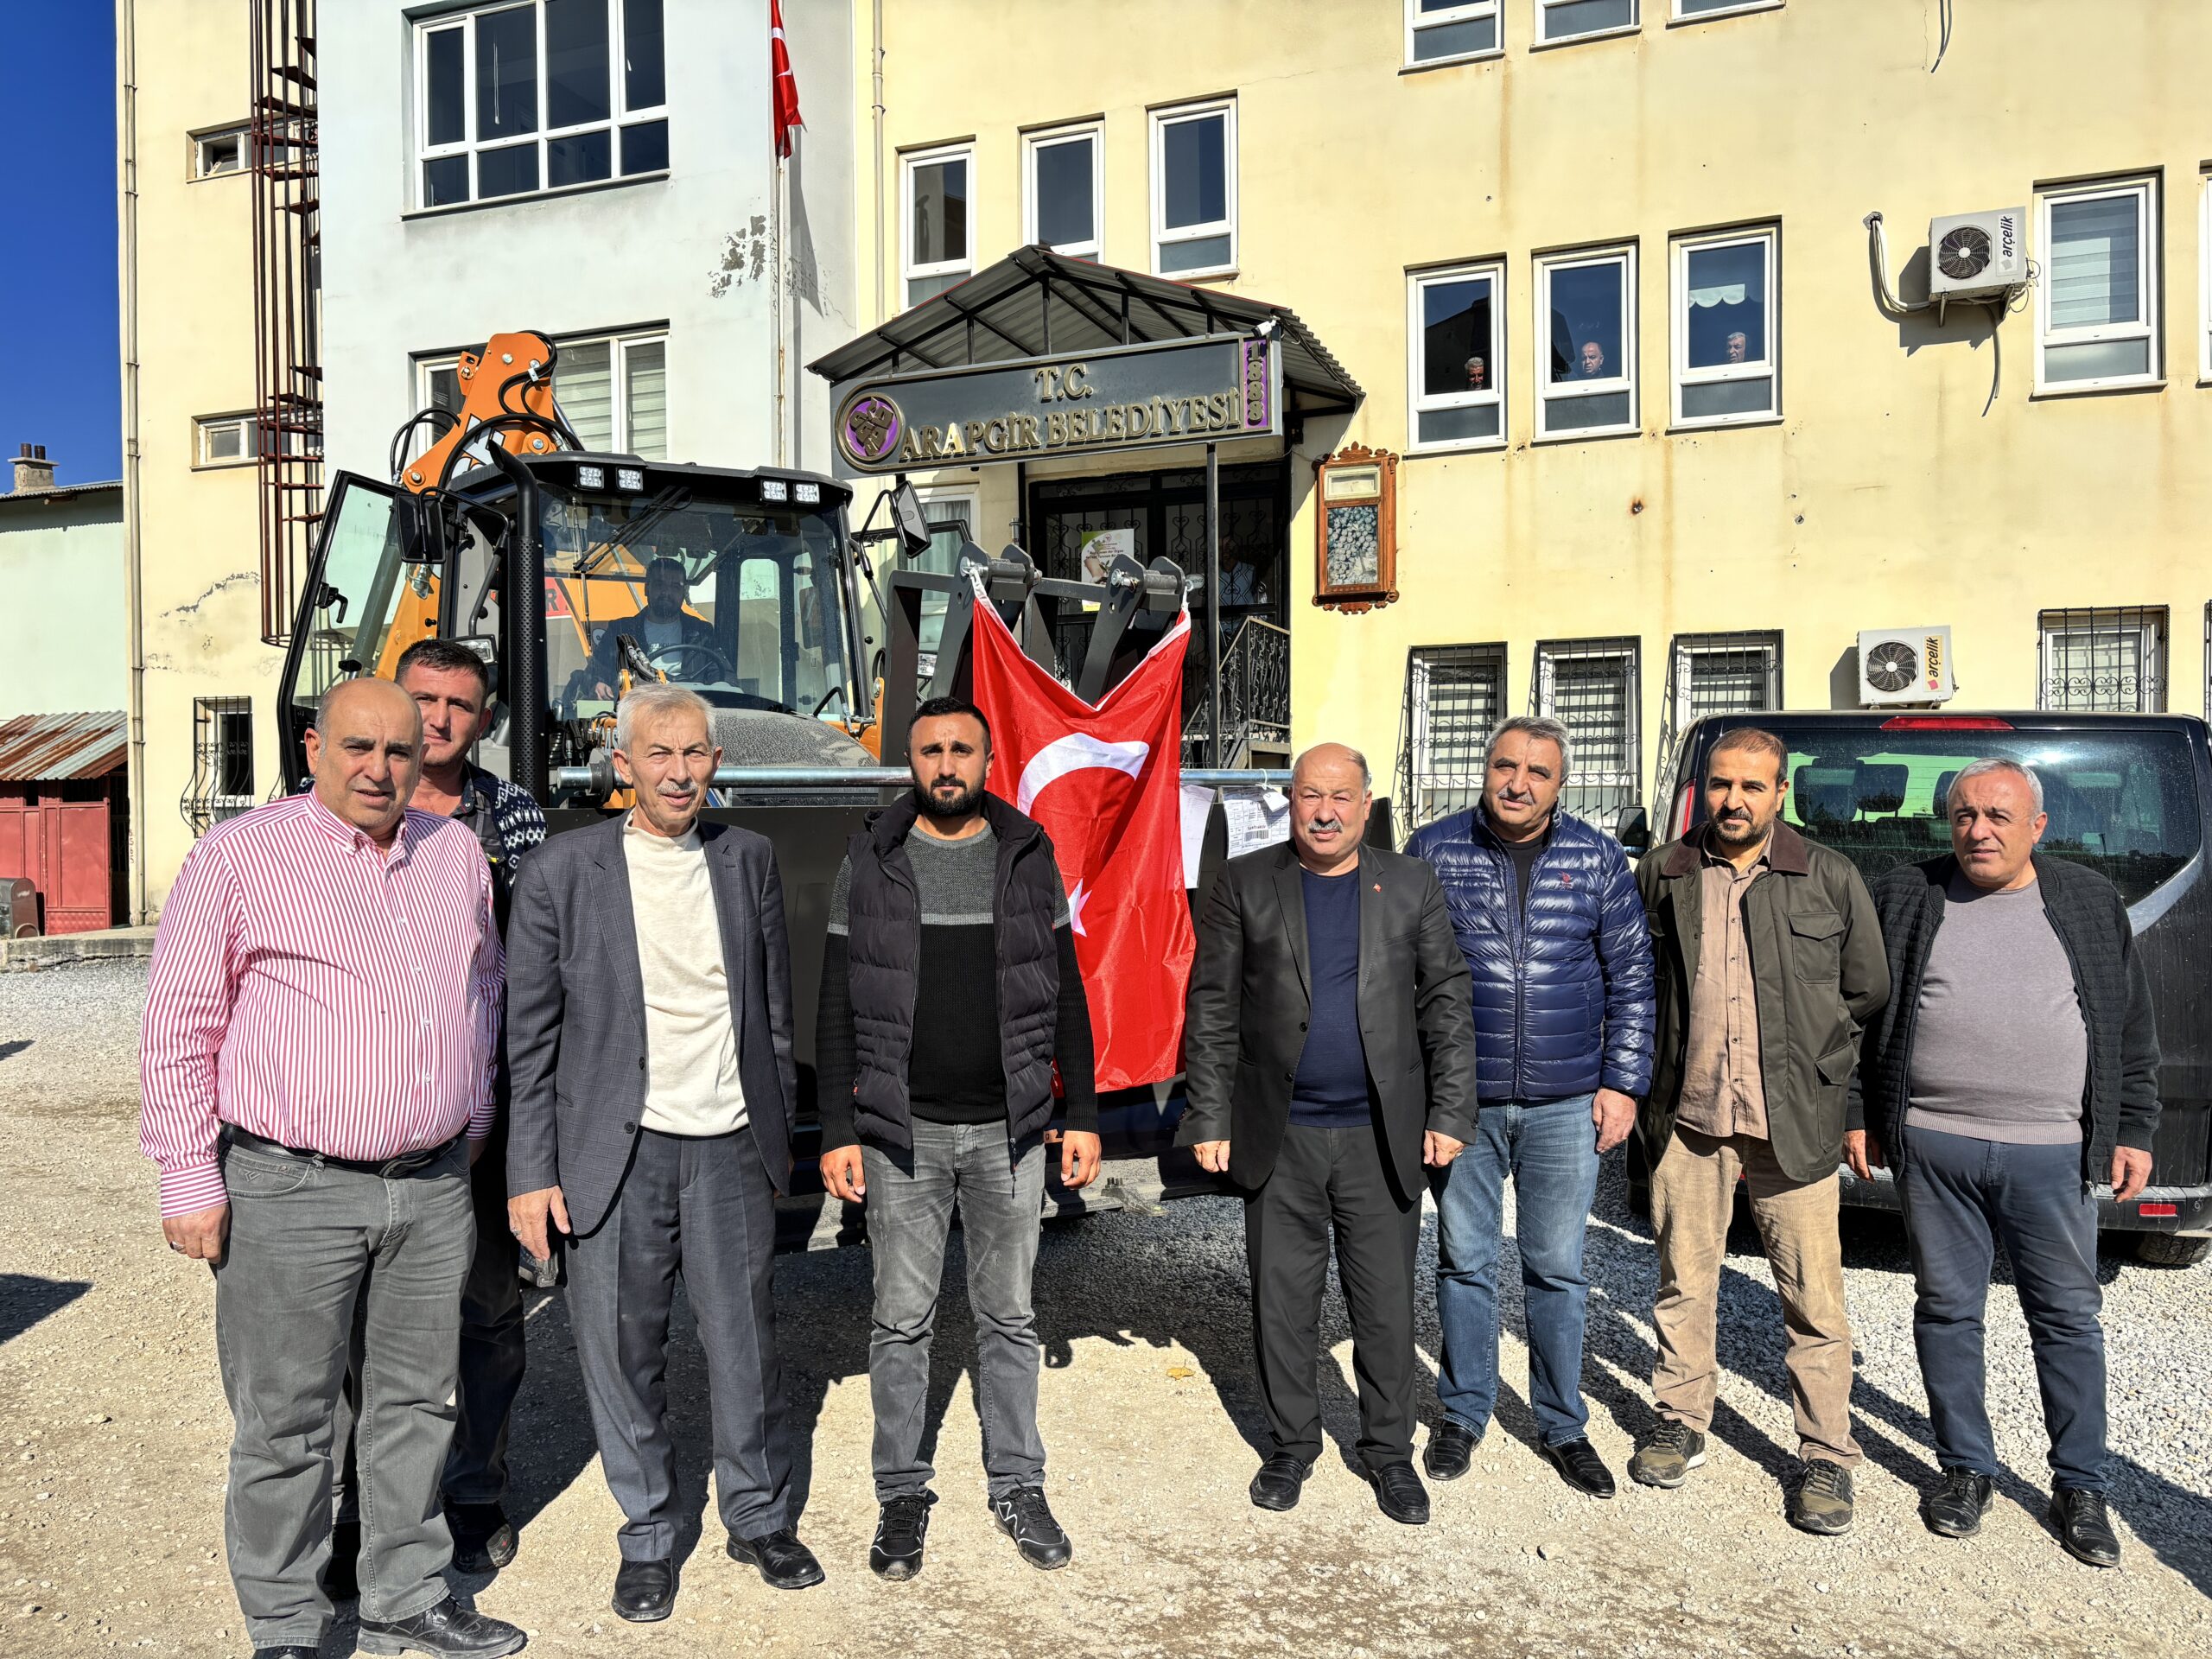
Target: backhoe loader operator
[[663, 623]]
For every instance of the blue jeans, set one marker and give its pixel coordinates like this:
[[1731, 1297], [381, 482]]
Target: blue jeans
[[1960, 1196], [1550, 1149]]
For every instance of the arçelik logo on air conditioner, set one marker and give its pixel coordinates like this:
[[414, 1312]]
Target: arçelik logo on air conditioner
[[1932, 658]]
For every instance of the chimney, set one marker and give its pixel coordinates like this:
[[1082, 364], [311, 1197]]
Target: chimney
[[33, 470]]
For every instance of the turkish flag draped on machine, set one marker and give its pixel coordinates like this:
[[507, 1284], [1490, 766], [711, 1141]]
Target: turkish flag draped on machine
[[1105, 783]]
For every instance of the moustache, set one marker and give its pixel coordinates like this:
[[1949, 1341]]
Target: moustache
[[1324, 825]]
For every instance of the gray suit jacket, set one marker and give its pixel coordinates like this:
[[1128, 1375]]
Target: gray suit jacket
[[576, 1011], [1250, 994]]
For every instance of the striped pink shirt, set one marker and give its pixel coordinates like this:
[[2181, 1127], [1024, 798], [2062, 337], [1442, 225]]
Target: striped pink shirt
[[309, 989]]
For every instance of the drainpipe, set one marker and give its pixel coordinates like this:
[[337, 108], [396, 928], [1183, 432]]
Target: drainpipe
[[881, 315], [126, 164]]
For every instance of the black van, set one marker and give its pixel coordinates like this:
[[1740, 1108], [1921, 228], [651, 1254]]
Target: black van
[[2128, 795]]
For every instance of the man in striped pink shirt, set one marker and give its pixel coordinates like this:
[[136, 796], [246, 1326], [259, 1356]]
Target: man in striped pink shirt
[[321, 1022]]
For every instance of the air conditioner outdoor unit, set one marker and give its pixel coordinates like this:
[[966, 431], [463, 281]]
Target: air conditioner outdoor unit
[[1898, 665], [1977, 255]]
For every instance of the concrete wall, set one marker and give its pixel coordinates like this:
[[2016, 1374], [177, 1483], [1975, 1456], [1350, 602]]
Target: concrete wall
[[61, 578], [1884, 496], [199, 551], [689, 251]]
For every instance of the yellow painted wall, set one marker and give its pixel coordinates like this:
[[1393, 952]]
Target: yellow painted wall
[[1884, 496], [199, 535]]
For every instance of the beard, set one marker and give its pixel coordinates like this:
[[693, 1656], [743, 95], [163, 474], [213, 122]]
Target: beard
[[959, 805]]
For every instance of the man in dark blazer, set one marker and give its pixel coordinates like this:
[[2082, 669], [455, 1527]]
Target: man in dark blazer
[[649, 1041], [1329, 1054]]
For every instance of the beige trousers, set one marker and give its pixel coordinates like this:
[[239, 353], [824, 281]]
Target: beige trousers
[[1693, 1193]]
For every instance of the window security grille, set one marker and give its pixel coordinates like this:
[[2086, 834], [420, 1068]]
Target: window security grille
[[2106, 659], [1455, 695], [222, 762], [1716, 673], [1592, 687]]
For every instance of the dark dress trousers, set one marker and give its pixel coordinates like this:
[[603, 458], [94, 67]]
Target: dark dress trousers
[[1250, 1003], [648, 1207]]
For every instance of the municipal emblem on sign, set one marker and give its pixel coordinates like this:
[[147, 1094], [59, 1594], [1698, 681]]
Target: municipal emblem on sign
[[870, 428]]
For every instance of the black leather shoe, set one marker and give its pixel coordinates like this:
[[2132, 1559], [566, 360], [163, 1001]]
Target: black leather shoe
[[1280, 1481], [784, 1563], [448, 1630], [291, 1651], [900, 1532], [2084, 1527], [1024, 1516], [1451, 1449], [1579, 1466], [483, 1537], [1400, 1494], [644, 1591], [341, 1574], [1955, 1508]]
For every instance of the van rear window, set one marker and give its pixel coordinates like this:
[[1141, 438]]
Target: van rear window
[[2123, 803]]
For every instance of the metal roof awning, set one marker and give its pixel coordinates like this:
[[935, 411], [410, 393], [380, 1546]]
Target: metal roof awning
[[1036, 303], [47, 748]]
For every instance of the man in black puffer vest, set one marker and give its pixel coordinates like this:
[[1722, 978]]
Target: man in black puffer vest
[[949, 989]]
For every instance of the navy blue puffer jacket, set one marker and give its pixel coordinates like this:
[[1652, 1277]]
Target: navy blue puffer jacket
[[1563, 995]]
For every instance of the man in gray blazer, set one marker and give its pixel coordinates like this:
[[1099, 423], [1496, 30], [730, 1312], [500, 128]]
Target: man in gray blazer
[[649, 1036], [1329, 1054]]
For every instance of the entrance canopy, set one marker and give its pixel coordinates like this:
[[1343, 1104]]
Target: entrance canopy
[[1043, 356]]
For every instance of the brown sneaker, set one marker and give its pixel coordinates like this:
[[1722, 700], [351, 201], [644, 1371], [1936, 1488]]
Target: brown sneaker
[[1820, 1499], [1666, 1454]]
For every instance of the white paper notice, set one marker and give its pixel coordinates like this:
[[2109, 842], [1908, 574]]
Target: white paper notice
[[1198, 801], [1257, 817]]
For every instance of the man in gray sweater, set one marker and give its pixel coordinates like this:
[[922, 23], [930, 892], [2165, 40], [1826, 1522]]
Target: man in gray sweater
[[2016, 1064]]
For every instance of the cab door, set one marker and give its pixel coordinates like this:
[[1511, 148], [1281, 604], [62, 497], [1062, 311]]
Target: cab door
[[359, 579]]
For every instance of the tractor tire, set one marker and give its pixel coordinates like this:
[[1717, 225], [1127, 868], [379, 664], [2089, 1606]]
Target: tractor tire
[[2172, 1249]]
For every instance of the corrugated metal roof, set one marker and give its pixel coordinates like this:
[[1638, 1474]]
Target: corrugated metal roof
[[1035, 302], [43, 746]]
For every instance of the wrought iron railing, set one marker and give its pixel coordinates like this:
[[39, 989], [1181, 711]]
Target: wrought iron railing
[[2109, 659], [1455, 695], [1255, 696]]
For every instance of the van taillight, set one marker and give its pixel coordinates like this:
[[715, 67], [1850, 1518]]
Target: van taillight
[[1683, 803], [1946, 723], [2157, 1210]]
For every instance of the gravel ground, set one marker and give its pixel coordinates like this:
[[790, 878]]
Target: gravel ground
[[111, 1534]]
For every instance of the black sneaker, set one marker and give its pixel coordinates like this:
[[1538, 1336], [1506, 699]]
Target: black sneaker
[[2084, 1526], [1955, 1508], [1666, 1454], [1451, 1449], [899, 1530], [1821, 1499], [1024, 1516]]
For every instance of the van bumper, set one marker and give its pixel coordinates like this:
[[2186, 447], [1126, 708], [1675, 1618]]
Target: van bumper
[[2191, 1205]]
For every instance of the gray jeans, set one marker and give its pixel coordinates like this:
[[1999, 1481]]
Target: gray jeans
[[910, 1202], [307, 1243]]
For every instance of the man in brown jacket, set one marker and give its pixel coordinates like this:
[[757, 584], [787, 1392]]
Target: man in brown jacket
[[1769, 962]]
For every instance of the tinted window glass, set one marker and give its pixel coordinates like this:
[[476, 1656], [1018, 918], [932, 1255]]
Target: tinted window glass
[[1195, 165], [1456, 353], [448, 116], [1586, 322], [645, 80], [506, 74], [2123, 803], [576, 63]]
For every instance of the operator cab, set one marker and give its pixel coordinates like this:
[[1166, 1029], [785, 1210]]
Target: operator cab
[[732, 583]]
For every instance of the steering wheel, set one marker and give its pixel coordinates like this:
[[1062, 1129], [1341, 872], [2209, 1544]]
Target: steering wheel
[[672, 659]]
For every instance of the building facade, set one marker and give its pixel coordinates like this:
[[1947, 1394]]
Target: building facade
[[1602, 269]]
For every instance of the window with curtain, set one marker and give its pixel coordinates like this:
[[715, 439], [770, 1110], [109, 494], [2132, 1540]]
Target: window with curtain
[[1726, 340], [2097, 303]]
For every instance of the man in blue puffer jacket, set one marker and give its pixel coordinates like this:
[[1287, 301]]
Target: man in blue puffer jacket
[[1548, 916]]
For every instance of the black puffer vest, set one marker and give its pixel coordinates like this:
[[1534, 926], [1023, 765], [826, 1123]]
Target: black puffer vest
[[885, 942]]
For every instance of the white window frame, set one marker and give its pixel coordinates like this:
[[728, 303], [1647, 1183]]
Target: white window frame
[[1736, 9], [1767, 368], [1689, 647], [1418, 23], [1545, 7], [619, 115], [2146, 327], [966, 263], [1549, 389], [242, 131], [2204, 280], [2149, 626], [1031, 143], [204, 426], [619, 344], [1417, 400], [1162, 235]]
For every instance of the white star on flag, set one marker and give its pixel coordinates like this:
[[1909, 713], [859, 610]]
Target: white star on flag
[[1075, 909]]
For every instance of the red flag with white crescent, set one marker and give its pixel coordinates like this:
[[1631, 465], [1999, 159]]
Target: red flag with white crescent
[[783, 85], [1105, 782]]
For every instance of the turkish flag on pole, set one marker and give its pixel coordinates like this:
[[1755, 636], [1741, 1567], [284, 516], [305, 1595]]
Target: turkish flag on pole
[[784, 89], [1105, 783]]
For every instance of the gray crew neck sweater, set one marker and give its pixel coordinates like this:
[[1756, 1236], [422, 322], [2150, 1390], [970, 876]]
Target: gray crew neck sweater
[[1999, 1050]]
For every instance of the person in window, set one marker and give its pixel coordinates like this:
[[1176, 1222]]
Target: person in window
[[1739, 346], [1477, 374], [1591, 365], [662, 623]]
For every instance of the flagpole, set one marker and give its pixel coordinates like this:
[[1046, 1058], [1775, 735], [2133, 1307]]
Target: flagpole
[[777, 277]]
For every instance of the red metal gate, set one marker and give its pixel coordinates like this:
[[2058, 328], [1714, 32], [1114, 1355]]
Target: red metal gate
[[59, 838]]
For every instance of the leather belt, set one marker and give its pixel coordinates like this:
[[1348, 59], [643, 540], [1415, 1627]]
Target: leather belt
[[390, 1169]]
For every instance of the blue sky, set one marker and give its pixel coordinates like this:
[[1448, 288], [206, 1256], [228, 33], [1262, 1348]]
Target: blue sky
[[58, 353]]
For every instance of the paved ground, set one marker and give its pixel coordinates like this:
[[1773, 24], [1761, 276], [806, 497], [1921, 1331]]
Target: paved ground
[[112, 1463]]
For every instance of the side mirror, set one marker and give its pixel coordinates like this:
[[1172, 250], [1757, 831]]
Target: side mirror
[[907, 519], [1632, 829]]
